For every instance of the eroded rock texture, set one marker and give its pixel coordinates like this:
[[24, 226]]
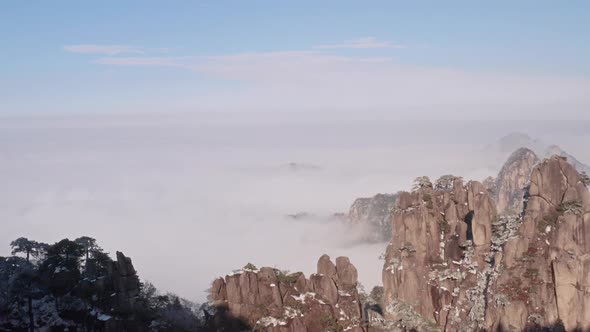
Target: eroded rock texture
[[554, 150], [374, 213], [512, 181], [126, 283], [546, 268], [436, 259], [270, 300], [453, 264]]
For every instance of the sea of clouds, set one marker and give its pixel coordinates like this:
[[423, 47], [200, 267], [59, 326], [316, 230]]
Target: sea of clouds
[[191, 198]]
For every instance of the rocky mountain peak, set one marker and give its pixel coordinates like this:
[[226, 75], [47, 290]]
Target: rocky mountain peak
[[550, 257], [374, 213], [440, 239], [506, 145], [125, 282], [271, 300], [555, 150], [512, 181], [453, 264]]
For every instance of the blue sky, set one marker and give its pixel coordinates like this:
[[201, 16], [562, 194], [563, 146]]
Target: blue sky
[[117, 56]]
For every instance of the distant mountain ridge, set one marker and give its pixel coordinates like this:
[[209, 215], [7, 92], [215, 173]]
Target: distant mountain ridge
[[506, 145], [299, 167]]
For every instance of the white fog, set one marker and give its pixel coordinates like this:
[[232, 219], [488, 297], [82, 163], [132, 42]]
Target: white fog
[[192, 199]]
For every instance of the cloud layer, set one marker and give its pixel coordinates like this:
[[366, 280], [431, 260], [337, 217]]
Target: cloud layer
[[102, 49], [323, 79], [362, 43], [190, 197]]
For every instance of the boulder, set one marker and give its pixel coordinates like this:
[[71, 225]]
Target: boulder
[[347, 274], [326, 267]]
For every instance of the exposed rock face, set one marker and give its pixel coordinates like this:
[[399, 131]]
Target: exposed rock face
[[125, 282], [439, 246], [546, 274], [554, 150], [269, 300], [512, 181], [454, 265], [490, 184], [375, 212]]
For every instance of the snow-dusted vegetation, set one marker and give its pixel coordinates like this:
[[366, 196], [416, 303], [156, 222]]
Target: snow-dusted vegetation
[[75, 285]]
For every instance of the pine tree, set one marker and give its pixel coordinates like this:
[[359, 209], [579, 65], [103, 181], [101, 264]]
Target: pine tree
[[29, 247]]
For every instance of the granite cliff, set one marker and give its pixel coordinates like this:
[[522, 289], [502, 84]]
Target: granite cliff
[[510, 185], [271, 300], [454, 264], [375, 214]]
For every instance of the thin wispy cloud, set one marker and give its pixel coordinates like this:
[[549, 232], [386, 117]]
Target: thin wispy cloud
[[102, 49], [362, 43], [312, 79], [236, 61], [326, 78], [140, 61]]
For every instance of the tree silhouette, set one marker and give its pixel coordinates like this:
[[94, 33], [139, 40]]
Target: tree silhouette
[[66, 252], [28, 247], [61, 270], [23, 286], [88, 244]]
